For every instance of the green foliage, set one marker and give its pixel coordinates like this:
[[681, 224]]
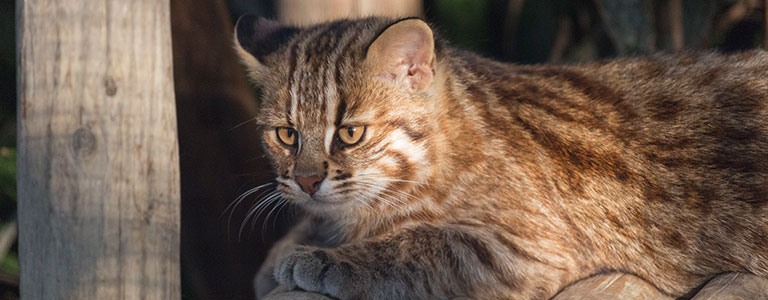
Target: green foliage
[[10, 264], [462, 21], [7, 176]]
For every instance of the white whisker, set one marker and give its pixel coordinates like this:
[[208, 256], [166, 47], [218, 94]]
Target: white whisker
[[384, 188], [242, 196], [243, 123], [280, 203], [362, 201], [383, 200], [274, 221], [233, 206], [381, 177], [257, 210]]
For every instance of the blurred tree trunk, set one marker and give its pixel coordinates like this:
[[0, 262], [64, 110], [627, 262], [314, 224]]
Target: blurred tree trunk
[[511, 24], [537, 29], [669, 25], [698, 16], [305, 12], [629, 23], [219, 159], [98, 155]]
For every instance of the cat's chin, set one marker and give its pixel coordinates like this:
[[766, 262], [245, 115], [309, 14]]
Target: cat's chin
[[325, 209], [323, 205]]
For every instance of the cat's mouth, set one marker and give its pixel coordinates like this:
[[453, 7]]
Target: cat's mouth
[[350, 192], [326, 198], [328, 201], [331, 198], [325, 204]]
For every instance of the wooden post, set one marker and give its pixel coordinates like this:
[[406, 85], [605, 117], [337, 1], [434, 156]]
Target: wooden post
[[611, 286], [306, 12], [97, 151], [734, 286]]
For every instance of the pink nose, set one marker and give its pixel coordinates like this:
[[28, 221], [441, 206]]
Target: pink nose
[[309, 184]]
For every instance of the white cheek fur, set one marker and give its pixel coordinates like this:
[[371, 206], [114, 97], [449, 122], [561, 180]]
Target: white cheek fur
[[329, 133], [402, 143]]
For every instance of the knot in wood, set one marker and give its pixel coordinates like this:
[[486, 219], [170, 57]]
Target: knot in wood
[[83, 142], [110, 86]]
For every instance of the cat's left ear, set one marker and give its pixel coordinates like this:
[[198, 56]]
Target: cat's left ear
[[256, 38], [405, 54]]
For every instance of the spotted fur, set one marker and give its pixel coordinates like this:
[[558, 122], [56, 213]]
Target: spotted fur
[[500, 181]]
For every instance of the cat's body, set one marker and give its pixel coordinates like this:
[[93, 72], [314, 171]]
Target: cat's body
[[509, 182]]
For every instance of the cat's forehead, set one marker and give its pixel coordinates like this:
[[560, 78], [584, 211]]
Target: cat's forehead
[[318, 69], [318, 46]]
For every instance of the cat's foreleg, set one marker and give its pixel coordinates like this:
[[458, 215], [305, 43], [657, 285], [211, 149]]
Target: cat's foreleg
[[427, 262]]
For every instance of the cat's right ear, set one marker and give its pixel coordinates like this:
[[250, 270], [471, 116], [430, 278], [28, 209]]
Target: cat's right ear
[[404, 53], [256, 38]]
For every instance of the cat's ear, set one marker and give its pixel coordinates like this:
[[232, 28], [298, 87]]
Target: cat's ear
[[405, 54], [257, 37]]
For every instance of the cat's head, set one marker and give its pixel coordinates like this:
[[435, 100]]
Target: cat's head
[[345, 113]]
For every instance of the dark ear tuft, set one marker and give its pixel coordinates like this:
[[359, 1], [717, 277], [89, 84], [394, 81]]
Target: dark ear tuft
[[260, 37]]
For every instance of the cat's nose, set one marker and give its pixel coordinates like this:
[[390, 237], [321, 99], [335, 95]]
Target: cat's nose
[[309, 184]]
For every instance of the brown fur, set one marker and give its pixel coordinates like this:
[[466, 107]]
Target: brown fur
[[514, 181]]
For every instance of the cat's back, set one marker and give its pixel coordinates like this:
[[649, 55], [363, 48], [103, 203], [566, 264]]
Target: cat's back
[[680, 126], [687, 87], [700, 121]]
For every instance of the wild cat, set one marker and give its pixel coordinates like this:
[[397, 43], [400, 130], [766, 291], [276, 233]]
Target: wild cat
[[430, 172]]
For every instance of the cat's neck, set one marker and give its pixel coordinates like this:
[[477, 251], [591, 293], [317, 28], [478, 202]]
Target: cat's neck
[[458, 119]]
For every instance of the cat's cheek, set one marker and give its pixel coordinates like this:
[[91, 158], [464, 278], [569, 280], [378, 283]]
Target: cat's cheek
[[386, 165]]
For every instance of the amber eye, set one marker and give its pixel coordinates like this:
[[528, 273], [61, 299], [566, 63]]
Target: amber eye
[[351, 135], [286, 135]]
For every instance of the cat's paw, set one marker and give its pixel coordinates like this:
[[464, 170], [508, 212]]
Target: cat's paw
[[317, 270]]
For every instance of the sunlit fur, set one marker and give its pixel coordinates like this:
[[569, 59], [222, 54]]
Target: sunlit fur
[[510, 182]]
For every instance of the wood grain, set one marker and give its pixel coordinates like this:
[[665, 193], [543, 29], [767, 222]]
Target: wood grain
[[730, 286], [734, 286], [611, 286], [306, 12], [98, 157]]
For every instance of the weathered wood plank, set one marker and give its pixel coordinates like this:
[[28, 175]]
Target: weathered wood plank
[[98, 161], [611, 286], [305, 12], [734, 286]]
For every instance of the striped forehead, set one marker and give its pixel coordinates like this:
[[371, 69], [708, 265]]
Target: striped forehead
[[319, 61]]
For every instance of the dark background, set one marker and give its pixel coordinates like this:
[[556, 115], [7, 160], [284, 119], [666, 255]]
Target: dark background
[[220, 160]]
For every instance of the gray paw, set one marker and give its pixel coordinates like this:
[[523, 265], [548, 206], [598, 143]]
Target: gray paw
[[316, 270]]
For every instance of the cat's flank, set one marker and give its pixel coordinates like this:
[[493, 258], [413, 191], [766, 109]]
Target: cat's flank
[[430, 172]]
